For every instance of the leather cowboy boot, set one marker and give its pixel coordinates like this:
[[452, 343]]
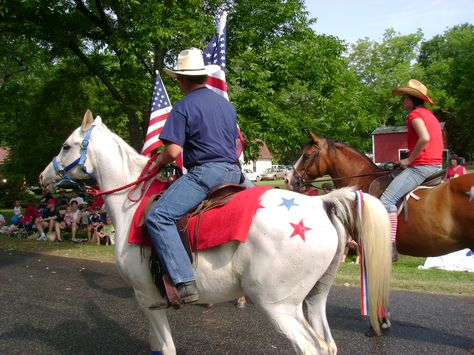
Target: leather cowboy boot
[[187, 293]]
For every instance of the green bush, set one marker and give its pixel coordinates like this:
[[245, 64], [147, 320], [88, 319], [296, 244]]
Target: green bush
[[10, 192]]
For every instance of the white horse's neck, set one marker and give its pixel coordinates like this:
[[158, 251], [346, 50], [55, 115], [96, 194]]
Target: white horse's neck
[[116, 164]]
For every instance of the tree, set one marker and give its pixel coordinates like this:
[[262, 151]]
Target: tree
[[380, 67], [110, 50], [121, 43], [448, 61]]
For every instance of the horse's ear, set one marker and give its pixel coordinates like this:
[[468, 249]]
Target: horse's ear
[[315, 138], [98, 121], [87, 121]]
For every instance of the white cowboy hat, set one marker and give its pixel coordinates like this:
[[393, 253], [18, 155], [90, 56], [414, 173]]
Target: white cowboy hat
[[414, 88], [190, 62]]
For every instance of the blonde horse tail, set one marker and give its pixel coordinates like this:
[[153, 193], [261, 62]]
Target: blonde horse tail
[[372, 230]]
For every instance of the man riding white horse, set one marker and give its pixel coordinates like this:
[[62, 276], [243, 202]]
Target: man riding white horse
[[203, 126]]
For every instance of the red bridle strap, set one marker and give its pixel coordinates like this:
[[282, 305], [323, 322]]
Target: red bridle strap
[[147, 173]]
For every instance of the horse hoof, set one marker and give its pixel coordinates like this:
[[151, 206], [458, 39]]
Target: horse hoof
[[385, 324], [240, 304], [371, 332]]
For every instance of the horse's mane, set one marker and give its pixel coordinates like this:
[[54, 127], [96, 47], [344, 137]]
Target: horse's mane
[[332, 148], [134, 158]]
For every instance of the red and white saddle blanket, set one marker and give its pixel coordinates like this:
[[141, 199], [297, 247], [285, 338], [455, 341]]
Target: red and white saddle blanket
[[220, 225]]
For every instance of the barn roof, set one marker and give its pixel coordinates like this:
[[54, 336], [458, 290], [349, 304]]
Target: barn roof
[[396, 129], [264, 152]]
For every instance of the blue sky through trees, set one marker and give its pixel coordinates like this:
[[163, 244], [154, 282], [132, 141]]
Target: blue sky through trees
[[352, 20]]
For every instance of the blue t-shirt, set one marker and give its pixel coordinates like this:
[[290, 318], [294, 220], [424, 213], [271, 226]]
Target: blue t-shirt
[[204, 124]]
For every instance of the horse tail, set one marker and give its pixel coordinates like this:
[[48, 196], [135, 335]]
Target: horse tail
[[370, 227]]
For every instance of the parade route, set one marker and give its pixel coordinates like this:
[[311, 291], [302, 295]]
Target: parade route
[[54, 305]]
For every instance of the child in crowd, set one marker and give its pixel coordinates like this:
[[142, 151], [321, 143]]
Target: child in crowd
[[17, 213], [94, 224], [351, 244], [107, 232], [28, 221]]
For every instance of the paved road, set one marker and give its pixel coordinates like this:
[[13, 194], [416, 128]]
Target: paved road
[[52, 305]]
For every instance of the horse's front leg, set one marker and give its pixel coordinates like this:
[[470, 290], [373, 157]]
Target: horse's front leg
[[159, 337], [134, 268]]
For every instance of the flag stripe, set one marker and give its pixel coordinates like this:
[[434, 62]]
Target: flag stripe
[[216, 83], [151, 145]]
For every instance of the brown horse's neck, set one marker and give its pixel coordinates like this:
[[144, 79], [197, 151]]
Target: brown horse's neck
[[345, 165]]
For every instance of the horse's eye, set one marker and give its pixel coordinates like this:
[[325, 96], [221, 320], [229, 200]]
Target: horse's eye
[[306, 156], [66, 146]]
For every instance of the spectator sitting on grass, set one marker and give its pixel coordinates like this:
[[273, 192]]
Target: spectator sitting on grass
[[31, 214], [17, 213], [63, 222], [76, 197], [76, 217], [94, 225], [47, 219], [107, 232]]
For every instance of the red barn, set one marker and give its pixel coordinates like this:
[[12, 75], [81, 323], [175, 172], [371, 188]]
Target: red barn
[[389, 144]]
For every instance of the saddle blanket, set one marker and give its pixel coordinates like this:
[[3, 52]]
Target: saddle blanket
[[220, 225]]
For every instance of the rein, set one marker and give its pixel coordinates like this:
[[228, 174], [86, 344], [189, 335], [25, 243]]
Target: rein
[[309, 182], [315, 159], [147, 173]]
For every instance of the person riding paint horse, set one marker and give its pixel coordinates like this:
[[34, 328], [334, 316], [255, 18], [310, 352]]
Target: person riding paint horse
[[425, 145], [203, 125]]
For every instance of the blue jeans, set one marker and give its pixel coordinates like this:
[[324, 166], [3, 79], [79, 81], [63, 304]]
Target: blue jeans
[[182, 196], [407, 180]]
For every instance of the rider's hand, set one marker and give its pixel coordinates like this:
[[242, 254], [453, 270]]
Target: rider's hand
[[404, 163]]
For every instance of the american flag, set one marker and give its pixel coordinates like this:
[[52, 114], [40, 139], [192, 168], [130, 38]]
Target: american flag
[[215, 53], [160, 108]]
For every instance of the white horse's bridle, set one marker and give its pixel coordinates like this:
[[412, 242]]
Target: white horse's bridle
[[63, 172]]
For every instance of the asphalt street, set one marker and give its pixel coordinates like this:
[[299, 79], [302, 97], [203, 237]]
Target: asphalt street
[[53, 305]]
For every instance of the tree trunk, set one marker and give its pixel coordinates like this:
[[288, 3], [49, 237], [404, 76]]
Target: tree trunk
[[136, 136]]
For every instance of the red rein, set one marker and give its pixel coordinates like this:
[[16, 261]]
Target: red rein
[[147, 173]]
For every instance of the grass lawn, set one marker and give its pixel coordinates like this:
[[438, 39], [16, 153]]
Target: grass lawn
[[405, 273]]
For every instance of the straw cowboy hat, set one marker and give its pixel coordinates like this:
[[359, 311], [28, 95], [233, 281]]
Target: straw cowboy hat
[[414, 88], [190, 62]]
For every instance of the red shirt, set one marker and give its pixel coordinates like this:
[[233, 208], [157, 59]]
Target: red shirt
[[451, 172], [433, 152]]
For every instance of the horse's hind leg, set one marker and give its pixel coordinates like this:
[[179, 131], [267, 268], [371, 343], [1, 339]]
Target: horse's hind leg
[[316, 309], [315, 301], [289, 320]]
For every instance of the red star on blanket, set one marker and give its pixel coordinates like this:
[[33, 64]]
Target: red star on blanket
[[299, 229]]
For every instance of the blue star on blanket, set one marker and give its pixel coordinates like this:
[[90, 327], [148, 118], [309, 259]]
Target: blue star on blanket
[[288, 203]]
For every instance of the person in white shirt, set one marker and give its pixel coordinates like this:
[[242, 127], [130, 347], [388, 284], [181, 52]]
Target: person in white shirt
[[76, 197]]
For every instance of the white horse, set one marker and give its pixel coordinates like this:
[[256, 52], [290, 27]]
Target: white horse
[[291, 254]]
